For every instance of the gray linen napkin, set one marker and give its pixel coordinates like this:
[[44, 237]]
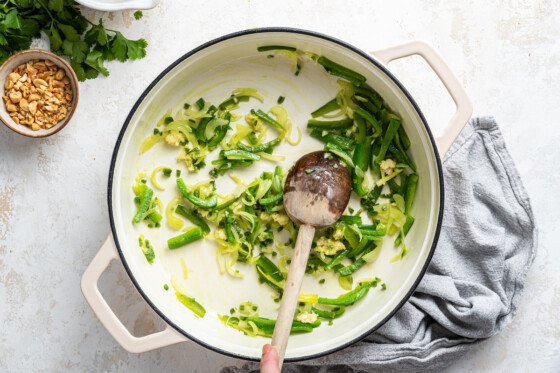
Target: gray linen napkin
[[472, 287]]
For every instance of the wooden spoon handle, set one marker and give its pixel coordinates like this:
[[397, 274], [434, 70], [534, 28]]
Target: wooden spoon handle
[[291, 290]]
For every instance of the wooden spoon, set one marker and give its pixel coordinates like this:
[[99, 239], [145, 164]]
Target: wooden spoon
[[316, 193]]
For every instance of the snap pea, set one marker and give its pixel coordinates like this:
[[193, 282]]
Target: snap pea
[[387, 138], [350, 219], [199, 202], [267, 48], [371, 95], [352, 296], [264, 116], [199, 132], [343, 142], [407, 159], [330, 125], [193, 218], [373, 232], [269, 268], [341, 153], [338, 70], [191, 304], [145, 199], [267, 325], [359, 263], [239, 154], [364, 245], [371, 119], [329, 315], [336, 259], [271, 200], [412, 182], [228, 222], [259, 148], [191, 235], [404, 138], [332, 105], [233, 100], [361, 160]]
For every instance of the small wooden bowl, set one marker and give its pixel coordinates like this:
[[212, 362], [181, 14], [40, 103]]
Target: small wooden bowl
[[24, 57]]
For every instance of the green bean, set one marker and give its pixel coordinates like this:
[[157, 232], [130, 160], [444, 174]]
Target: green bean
[[371, 95], [343, 142], [193, 217], [192, 235], [391, 131], [259, 148], [200, 103], [352, 296], [264, 116], [239, 154], [329, 315], [332, 105], [362, 130], [205, 204], [366, 105], [336, 259], [338, 70], [226, 204], [233, 100], [371, 119], [330, 125], [267, 48], [271, 200], [350, 219], [352, 237], [145, 199], [191, 304], [341, 153], [405, 229]]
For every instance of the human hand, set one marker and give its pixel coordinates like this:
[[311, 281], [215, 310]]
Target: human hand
[[269, 360]]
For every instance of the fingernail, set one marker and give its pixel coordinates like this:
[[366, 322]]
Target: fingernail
[[266, 349]]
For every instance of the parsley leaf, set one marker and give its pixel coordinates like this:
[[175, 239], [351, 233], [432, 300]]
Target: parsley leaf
[[87, 45]]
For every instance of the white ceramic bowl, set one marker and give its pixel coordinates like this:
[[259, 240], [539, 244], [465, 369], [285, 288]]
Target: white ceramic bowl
[[24, 57], [115, 5], [212, 71]]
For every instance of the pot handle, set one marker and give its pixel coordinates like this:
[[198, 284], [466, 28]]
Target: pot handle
[[110, 321], [449, 80]]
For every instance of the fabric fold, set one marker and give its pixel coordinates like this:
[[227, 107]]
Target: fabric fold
[[471, 289]]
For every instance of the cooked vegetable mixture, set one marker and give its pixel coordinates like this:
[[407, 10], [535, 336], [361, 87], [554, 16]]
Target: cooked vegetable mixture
[[250, 225]]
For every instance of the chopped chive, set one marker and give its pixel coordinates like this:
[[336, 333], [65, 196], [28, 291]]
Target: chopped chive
[[281, 99], [270, 56], [165, 287], [322, 281], [143, 181], [186, 106], [200, 103], [138, 14], [168, 120], [178, 173], [156, 131], [167, 172], [383, 286], [310, 171], [351, 210]]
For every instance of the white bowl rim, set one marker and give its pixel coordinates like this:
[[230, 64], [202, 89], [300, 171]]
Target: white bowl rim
[[264, 30], [122, 5]]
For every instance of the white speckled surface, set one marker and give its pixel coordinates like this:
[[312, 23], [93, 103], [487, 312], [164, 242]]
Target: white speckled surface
[[53, 212]]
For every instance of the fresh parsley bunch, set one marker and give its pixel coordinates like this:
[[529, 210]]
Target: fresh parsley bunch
[[88, 45]]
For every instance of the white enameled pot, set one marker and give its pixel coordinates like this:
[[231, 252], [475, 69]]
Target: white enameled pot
[[212, 71]]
